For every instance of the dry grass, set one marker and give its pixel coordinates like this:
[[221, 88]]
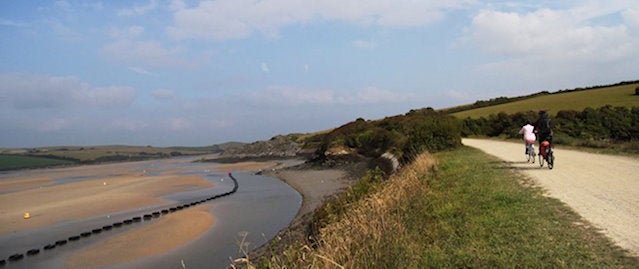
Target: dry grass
[[462, 211], [372, 230]]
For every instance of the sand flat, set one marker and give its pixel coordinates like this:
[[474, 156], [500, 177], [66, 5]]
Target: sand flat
[[56, 203], [246, 166], [168, 233]]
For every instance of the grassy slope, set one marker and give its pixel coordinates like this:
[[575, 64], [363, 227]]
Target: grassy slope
[[90, 153], [467, 213], [64, 155], [622, 95]]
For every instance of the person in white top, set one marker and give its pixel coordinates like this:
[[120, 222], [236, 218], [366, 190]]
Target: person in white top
[[529, 135]]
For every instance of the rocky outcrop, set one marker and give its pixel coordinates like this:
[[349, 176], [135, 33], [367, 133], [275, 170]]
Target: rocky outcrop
[[276, 147]]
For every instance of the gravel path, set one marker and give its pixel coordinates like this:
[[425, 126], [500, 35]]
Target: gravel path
[[603, 189]]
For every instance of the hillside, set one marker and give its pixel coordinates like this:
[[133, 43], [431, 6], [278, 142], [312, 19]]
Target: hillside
[[19, 158], [617, 95]]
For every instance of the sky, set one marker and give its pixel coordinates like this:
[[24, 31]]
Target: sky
[[196, 73]]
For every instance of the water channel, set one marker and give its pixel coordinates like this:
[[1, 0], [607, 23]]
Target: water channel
[[261, 207]]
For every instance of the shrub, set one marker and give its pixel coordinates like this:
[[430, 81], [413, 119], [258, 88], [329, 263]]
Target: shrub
[[404, 135], [607, 123]]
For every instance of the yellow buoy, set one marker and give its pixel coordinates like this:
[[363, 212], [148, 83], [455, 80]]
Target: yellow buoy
[[26, 215], [104, 183]]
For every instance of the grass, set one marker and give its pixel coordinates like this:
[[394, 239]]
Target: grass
[[622, 95], [460, 209], [10, 162]]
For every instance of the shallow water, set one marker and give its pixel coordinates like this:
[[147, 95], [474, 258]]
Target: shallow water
[[261, 207]]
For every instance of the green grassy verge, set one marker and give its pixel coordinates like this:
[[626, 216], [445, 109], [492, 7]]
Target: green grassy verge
[[483, 216], [10, 162], [461, 211], [621, 95]]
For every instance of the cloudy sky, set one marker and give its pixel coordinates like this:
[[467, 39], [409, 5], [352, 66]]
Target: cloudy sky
[[162, 73]]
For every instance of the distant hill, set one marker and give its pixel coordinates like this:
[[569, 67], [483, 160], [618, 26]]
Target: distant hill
[[621, 94]]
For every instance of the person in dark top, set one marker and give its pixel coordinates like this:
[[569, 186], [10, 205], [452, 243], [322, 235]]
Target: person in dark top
[[543, 128]]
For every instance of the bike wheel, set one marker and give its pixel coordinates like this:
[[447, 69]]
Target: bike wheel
[[551, 160], [541, 160]]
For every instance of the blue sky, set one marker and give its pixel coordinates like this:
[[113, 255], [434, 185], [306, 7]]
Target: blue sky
[[193, 73]]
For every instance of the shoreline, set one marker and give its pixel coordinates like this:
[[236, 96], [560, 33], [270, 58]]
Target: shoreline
[[130, 186], [315, 184]]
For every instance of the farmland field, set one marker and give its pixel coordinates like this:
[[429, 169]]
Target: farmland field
[[9, 162], [621, 95]]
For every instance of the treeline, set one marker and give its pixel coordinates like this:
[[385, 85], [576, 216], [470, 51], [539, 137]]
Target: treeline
[[607, 123], [405, 136], [504, 100]]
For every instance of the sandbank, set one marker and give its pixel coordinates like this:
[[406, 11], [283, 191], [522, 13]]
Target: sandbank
[[168, 233], [78, 200]]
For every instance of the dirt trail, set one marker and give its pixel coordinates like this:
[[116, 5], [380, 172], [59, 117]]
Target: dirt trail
[[603, 189]]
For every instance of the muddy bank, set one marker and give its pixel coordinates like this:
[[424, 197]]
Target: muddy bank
[[316, 183]]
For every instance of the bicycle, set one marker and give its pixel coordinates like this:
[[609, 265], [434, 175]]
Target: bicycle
[[546, 154], [530, 152]]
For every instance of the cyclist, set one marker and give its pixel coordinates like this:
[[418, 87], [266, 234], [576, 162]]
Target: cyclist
[[543, 128], [529, 135]]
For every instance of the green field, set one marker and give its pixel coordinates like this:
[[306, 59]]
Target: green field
[[61, 155], [10, 162], [622, 95]]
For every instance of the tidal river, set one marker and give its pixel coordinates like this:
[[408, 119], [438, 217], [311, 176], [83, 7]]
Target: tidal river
[[260, 208]]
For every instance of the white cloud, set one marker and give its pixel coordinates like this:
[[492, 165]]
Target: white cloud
[[138, 10], [163, 94], [228, 19], [557, 42], [150, 53], [459, 96], [631, 17], [128, 125], [363, 44], [289, 96], [177, 5], [111, 97], [142, 71], [29, 92], [130, 32], [374, 95], [265, 68], [178, 124], [24, 91], [5, 22], [65, 32], [54, 124]]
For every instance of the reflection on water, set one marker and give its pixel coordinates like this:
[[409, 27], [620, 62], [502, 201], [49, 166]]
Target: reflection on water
[[261, 207]]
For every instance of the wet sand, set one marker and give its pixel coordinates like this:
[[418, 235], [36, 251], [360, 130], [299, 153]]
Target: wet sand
[[248, 166], [53, 196], [122, 187], [53, 204], [313, 185], [159, 237]]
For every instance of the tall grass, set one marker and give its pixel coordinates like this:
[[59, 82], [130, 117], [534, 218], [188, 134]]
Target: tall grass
[[370, 230], [461, 211]]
